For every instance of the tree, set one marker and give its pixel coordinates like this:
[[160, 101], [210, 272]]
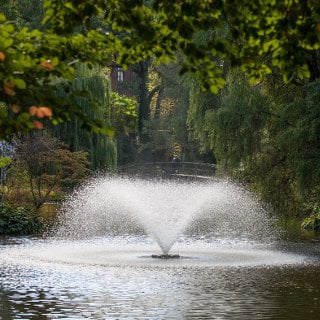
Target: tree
[[30, 78], [6, 152], [91, 94], [124, 118], [232, 124], [166, 126], [264, 36], [166, 123], [161, 28], [265, 135], [24, 12], [50, 165]]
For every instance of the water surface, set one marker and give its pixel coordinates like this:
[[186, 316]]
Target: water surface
[[115, 278]]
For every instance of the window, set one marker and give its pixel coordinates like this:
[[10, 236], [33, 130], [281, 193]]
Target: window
[[120, 74]]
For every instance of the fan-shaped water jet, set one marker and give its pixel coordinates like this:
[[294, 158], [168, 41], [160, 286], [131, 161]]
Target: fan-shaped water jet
[[162, 209]]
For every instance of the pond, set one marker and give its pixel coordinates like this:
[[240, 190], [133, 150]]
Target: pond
[[116, 278], [222, 257]]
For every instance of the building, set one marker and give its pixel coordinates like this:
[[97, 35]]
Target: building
[[123, 81]]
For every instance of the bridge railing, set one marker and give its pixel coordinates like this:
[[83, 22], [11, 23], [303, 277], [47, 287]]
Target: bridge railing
[[170, 169]]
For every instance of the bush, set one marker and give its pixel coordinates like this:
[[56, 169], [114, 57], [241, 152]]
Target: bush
[[18, 220], [312, 223]]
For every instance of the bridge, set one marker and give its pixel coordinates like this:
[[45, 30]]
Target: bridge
[[182, 170]]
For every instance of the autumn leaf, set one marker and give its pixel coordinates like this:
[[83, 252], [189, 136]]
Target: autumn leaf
[[46, 111], [15, 108], [40, 111], [38, 124], [47, 65], [33, 110], [8, 88], [2, 56]]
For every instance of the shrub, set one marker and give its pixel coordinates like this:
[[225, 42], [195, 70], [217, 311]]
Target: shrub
[[312, 223], [18, 220]]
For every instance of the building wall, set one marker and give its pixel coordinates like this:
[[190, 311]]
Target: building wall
[[122, 81]]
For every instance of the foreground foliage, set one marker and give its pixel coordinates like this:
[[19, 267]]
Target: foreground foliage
[[260, 37]]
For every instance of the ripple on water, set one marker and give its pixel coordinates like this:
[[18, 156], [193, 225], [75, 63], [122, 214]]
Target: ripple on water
[[116, 278], [120, 251]]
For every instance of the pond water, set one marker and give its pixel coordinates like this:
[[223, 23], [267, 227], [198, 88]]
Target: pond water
[[96, 262], [216, 277]]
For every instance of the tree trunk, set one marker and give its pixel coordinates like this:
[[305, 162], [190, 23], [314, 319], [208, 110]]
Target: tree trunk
[[144, 100]]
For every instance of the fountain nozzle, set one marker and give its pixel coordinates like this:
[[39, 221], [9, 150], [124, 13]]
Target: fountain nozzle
[[165, 256]]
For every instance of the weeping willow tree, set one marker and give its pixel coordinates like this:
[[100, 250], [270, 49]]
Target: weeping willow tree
[[235, 128], [265, 135], [91, 89]]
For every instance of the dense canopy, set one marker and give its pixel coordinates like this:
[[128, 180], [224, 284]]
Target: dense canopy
[[259, 36]]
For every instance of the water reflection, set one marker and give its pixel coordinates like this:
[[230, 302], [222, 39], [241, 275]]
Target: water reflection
[[258, 293], [53, 290]]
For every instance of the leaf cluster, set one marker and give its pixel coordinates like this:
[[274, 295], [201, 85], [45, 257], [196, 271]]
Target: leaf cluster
[[259, 37], [18, 220], [50, 165], [124, 116], [266, 135]]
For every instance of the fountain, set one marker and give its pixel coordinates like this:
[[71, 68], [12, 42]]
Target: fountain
[[127, 221], [163, 209]]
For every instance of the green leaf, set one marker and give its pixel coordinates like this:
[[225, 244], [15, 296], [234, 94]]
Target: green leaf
[[20, 83], [4, 161], [214, 88], [304, 72], [55, 61], [108, 131], [7, 43], [2, 17], [69, 5]]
